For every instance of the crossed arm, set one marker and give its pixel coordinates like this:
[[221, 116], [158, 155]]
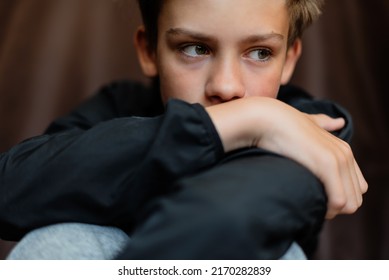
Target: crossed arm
[[96, 168], [298, 136]]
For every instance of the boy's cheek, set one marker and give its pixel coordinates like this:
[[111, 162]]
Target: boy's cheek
[[264, 85], [184, 85]]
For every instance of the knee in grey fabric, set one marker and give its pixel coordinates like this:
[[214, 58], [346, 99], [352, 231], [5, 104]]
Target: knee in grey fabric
[[74, 241], [70, 241]]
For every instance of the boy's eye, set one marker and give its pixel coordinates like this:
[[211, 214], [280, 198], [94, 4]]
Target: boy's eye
[[260, 54], [195, 50]]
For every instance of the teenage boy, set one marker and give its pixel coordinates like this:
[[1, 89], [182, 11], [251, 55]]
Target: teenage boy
[[208, 164]]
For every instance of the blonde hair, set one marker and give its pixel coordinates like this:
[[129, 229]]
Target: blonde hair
[[301, 15]]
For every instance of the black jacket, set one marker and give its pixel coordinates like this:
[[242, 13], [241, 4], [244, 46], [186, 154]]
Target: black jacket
[[102, 162]]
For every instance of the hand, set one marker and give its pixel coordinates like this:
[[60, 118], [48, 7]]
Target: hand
[[276, 126], [331, 124]]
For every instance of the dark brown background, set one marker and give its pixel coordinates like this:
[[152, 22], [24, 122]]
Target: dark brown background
[[53, 54]]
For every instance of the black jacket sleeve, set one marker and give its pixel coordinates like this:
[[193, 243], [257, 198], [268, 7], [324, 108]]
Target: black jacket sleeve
[[102, 173]]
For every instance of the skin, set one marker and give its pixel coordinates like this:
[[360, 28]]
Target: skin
[[232, 59]]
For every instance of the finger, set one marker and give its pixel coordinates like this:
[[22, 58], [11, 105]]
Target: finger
[[334, 185], [361, 179], [362, 182], [344, 196], [352, 169], [348, 176], [352, 188], [326, 122], [343, 191]]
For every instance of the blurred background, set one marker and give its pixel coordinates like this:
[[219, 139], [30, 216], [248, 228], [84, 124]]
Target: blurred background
[[56, 53]]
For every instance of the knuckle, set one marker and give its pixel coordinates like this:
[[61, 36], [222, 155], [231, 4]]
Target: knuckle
[[344, 159], [351, 208], [347, 150], [338, 203]]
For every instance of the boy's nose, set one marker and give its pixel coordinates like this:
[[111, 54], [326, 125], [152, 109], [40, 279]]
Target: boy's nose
[[225, 82]]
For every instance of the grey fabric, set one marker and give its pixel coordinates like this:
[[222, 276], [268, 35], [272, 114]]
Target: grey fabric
[[74, 241], [71, 241]]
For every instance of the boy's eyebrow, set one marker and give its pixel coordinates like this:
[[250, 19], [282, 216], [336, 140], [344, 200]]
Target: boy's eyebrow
[[264, 37], [187, 32], [203, 37]]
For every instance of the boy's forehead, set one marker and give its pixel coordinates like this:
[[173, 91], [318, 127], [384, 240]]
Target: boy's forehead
[[232, 16]]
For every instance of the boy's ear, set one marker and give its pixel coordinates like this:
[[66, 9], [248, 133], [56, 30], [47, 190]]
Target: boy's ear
[[146, 57], [292, 56]]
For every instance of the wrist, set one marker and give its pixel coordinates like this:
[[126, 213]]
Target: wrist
[[240, 123]]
